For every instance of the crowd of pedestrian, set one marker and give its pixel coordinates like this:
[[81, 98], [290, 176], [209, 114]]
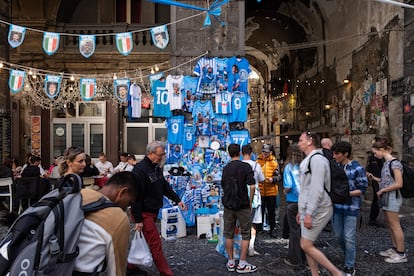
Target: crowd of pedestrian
[[250, 198]]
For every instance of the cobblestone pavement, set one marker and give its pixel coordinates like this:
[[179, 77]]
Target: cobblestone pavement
[[193, 256]]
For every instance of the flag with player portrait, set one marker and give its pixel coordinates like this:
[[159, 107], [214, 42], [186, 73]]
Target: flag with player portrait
[[16, 35], [50, 42], [124, 43], [16, 80], [52, 86], [121, 88], [87, 88], [160, 36], [86, 45]]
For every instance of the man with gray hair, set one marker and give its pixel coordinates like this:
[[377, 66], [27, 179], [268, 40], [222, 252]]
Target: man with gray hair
[[145, 208]]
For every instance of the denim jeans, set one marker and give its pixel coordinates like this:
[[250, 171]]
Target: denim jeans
[[345, 229]]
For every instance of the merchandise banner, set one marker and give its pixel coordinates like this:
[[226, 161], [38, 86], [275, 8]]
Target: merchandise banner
[[121, 88], [87, 88], [50, 42], [16, 80], [52, 86], [160, 36], [124, 43], [16, 35], [87, 45]]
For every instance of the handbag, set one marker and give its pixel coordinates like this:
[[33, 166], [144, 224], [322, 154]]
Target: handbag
[[139, 252]]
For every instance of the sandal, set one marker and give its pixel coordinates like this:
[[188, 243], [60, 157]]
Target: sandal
[[247, 268], [230, 267]]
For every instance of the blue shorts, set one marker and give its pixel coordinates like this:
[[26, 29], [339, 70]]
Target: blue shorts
[[394, 202]]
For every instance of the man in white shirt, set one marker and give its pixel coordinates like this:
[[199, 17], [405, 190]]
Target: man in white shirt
[[105, 167], [122, 165]]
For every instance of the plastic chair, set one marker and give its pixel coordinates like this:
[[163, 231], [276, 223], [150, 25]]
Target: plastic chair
[[7, 182]]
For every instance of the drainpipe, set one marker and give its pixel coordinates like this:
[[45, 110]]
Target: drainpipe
[[318, 10]]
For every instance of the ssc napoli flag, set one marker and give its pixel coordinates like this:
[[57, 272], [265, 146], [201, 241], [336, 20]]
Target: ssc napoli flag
[[16, 35], [121, 88], [87, 88], [86, 45], [124, 43], [52, 86], [160, 36], [16, 80], [50, 42]]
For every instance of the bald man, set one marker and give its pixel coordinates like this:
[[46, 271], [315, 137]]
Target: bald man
[[326, 144]]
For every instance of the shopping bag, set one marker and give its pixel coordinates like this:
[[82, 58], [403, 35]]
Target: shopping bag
[[139, 252]]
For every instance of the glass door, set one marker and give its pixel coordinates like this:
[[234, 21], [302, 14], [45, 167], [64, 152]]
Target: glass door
[[89, 136]]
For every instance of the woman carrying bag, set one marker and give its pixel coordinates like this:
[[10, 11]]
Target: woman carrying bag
[[390, 198]]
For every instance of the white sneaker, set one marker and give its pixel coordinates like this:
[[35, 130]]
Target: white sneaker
[[253, 253], [396, 258], [388, 252]]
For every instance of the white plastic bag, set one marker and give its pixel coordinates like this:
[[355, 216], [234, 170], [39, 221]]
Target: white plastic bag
[[139, 252]]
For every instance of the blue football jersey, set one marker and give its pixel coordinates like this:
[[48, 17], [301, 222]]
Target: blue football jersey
[[189, 137], [175, 126], [241, 137], [242, 66], [238, 107], [161, 103]]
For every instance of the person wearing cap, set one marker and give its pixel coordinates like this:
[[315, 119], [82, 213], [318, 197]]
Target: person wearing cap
[[269, 188]]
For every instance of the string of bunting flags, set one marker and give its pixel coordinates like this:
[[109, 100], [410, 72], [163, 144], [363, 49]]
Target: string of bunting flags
[[87, 43], [53, 90]]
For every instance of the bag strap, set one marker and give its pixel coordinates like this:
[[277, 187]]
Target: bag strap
[[391, 171], [310, 171], [100, 204]]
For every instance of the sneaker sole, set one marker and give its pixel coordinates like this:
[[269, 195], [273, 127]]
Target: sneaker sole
[[390, 261], [231, 269], [246, 271]]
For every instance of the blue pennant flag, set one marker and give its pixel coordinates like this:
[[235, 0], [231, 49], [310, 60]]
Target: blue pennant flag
[[86, 45], [52, 86], [50, 42], [121, 88], [16, 35]]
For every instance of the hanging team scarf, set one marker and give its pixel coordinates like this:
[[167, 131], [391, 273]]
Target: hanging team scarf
[[160, 36], [87, 88], [52, 86], [50, 42], [124, 43], [16, 35], [86, 45], [121, 88], [16, 80]]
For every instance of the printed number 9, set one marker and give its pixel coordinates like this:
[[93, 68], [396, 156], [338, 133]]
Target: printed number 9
[[174, 128], [237, 103]]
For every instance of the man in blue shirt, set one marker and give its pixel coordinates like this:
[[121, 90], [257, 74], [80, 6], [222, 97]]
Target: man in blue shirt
[[345, 216]]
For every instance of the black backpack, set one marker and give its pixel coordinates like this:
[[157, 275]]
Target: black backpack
[[407, 190], [44, 238], [339, 193]]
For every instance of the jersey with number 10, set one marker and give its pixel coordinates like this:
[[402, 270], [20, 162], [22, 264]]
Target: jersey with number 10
[[161, 103], [175, 126]]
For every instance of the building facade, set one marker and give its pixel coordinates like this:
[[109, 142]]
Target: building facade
[[301, 52]]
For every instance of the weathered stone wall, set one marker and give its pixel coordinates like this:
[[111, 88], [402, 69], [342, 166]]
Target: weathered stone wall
[[190, 38]]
